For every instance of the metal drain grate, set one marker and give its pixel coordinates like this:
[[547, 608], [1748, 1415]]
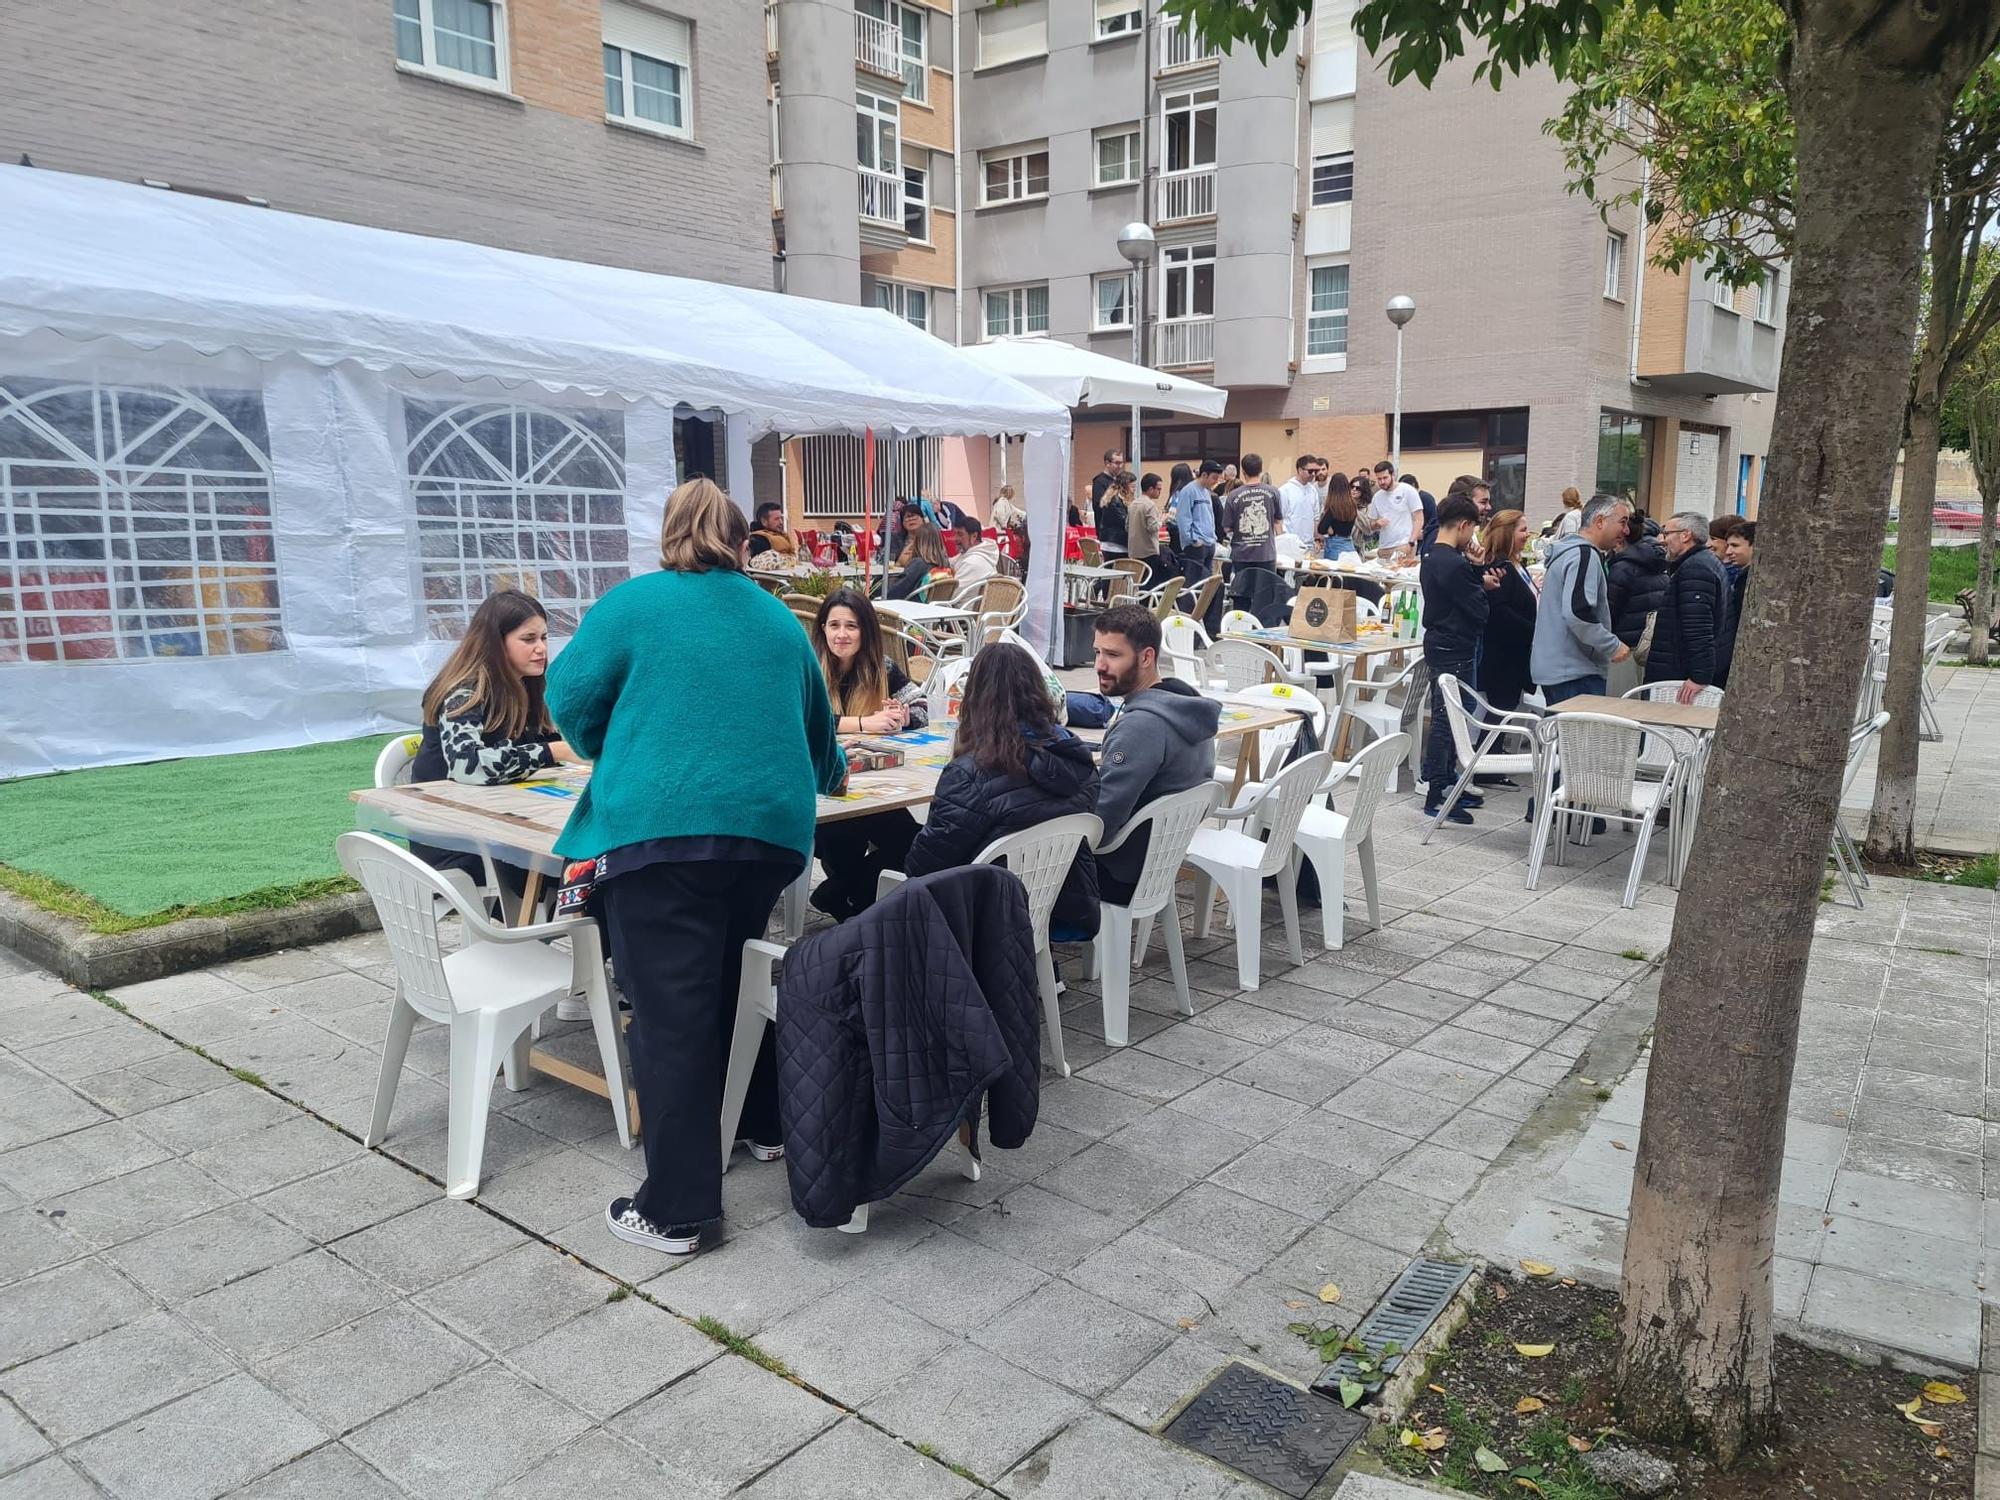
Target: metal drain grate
[[1405, 1312], [1271, 1431]]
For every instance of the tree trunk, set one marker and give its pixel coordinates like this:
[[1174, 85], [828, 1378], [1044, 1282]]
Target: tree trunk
[[1982, 593], [1695, 1364], [1892, 821]]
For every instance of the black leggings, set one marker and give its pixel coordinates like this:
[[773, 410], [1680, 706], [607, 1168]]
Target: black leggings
[[677, 932], [855, 851]]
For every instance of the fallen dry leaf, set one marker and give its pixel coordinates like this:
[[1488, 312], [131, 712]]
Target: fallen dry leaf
[[1489, 1462], [1942, 1451], [1435, 1390], [1188, 1322], [1329, 1293], [1296, 1305], [1528, 1484], [1534, 1351], [1620, 1146], [1527, 1404], [1930, 1429], [1500, 1293], [1538, 1268], [1435, 1438], [1910, 1407], [1580, 1444], [1938, 1393], [1411, 1438], [1569, 1281], [1589, 1083]]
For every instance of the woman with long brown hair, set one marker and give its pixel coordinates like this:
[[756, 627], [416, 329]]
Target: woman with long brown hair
[[485, 720], [870, 695], [1510, 614], [698, 698], [924, 556], [1013, 766], [1335, 530]]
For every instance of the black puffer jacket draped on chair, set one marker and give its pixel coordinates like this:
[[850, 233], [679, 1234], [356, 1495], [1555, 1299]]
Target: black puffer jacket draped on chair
[[890, 1028]]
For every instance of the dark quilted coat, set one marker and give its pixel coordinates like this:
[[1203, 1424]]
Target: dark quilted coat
[[891, 1026], [1638, 587], [1695, 633], [972, 808]]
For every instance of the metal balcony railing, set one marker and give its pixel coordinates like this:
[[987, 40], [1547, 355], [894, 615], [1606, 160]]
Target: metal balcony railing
[[878, 45], [881, 197], [1185, 195], [1181, 344], [1179, 47]]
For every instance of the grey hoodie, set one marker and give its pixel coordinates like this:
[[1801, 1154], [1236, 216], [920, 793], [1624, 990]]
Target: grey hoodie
[[1573, 635], [1163, 741]]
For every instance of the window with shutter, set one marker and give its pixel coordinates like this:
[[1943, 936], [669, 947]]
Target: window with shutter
[[648, 68], [1010, 33]]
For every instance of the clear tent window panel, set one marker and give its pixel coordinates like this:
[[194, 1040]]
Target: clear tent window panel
[[135, 522], [513, 496]]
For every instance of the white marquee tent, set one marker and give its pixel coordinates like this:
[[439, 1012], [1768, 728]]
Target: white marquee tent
[[257, 468], [1083, 377]]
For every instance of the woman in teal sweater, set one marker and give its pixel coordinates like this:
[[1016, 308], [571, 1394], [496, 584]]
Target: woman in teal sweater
[[698, 699]]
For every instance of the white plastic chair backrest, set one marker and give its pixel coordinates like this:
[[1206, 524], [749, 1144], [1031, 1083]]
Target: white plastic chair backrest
[[1182, 641], [1462, 735], [1600, 760], [1378, 765], [406, 891], [1041, 857], [1240, 622], [1366, 610], [1237, 664], [1857, 745], [1286, 797], [947, 679], [394, 765], [1174, 819], [1288, 546], [1274, 744], [1937, 633]]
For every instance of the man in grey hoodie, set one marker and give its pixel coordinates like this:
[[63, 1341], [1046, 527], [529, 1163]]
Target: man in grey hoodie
[[1161, 742], [1574, 643]]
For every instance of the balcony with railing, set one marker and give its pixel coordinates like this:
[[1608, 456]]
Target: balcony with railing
[[1180, 48], [1185, 344], [882, 224], [1184, 195], [878, 46]]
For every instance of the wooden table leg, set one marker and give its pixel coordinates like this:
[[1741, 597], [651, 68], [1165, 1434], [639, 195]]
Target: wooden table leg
[[1249, 764], [531, 897], [547, 1063]]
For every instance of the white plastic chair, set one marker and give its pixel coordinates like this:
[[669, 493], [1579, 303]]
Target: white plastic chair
[[1240, 622], [1173, 821], [1182, 640], [946, 677], [1239, 859], [489, 993], [1040, 856], [1232, 664], [1937, 634], [1383, 707], [1475, 730], [394, 767], [1846, 858], [1275, 743], [1325, 835], [1599, 756]]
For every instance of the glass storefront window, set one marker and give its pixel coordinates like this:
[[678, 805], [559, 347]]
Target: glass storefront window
[[1624, 449]]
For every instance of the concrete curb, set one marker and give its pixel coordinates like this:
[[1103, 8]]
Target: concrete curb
[[1986, 1477], [101, 961]]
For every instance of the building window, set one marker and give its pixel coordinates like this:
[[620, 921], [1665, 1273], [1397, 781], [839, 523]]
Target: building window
[[917, 196], [1624, 445], [1011, 176], [1614, 265], [1767, 297], [1187, 130], [1112, 300], [910, 303], [1011, 33], [135, 522], [833, 473], [512, 496], [1017, 310], [1187, 290], [467, 37], [1333, 25], [1117, 156], [1326, 311], [1333, 179], [878, 120], [1720, 292], [1120, 18], [910, 29], [647, 59]]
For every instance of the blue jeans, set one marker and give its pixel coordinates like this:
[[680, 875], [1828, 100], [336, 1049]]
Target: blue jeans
[[1337, 546], [1577, 687], [1440, 750]]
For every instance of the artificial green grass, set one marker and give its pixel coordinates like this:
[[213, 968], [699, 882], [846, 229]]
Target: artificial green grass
[[124, 847], [1952, 569]]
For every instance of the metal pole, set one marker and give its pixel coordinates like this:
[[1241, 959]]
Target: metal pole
[[1396, 422], [1138, 358]]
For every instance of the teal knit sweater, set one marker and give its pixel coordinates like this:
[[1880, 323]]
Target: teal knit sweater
[[698, 699]]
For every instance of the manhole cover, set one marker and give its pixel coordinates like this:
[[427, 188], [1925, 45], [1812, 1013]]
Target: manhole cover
[[1404, 1314], [1271, 1431]]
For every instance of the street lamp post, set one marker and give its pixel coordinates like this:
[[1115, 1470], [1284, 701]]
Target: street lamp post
[[1137, 245], [1400, 311]]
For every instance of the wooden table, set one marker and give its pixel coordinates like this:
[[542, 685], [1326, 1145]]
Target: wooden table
[[1668, 715], [520, 823]]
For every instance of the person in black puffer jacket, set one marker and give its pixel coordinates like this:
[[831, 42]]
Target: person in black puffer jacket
[[1692, 639], [1014, 766], [1638, 579]]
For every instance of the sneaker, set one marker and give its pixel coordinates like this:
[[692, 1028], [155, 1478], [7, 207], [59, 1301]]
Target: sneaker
[[572, 1008], [1471, 799], [1482, 779], [759, 1151], [1458, 813], [625, 1221]]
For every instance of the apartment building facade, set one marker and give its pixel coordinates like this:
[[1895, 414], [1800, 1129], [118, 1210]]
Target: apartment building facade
[[1293, 196]]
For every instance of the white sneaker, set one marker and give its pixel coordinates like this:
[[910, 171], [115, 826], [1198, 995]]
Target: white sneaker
[[624, 1220], [759, 1151], [572, 1008]]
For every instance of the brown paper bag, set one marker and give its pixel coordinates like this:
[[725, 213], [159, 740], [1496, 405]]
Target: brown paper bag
[[1323, 612]]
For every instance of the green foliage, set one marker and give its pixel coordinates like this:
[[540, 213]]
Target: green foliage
[[1332, 1342], [1952, 569], [736, 1343], [1983, 873]]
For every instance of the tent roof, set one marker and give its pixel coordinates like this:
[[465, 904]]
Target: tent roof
[[88, 258], [1083, 377]]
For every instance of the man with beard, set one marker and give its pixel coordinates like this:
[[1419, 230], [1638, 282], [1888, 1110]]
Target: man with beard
[[1161, 742]]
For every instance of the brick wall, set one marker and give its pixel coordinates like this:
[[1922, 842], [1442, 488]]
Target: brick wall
[[303, 104]]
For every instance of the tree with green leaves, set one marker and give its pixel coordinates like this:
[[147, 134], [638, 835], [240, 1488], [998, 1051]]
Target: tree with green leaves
[[1869, 86], [1975, 399]]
